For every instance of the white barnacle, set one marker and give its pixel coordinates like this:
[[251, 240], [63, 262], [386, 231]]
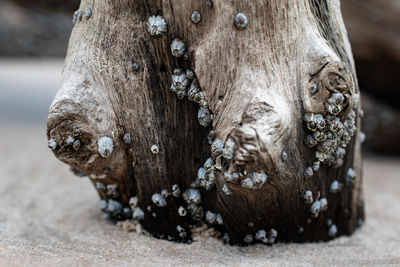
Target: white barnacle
[[175, 190], [334, 104], [231, 177], [319, 136], [320, 122], [308, 197], [70, 140], [204, 117], [350, 176], [181, 231], [156, 25], [226, 238], [309, 118], [193, 91], [240, 21], [104, 173], [356, 101], [260, 235], [259, 179], [103, 205], [248, 238], [211, 217], [154, 149], [272, 235], [247, 183], [219, 220], [284, 156], [135, 66], [323, 204], [201, 174], [310, 141], [105, 146], [217, 147], [340, 152], [76, 145], [192, 195], [308, 172], [316, 165], [100, 186], [114, 207], [226, 190], [313, 88], [209, 3], [335, 187], [332, 232], [133, 201], [182, 211], [227, 153], [158, 200], [52, 144], [209, 165], [112, 190], [138, 214], [77, 16], [195, 17], [177, 47], [127, 138], [180, 81], [87, 13], [315, 209], [190, 74], [362, 137], [164, 193]]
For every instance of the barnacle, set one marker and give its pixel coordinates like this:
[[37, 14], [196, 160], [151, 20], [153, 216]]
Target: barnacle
[[240, 21], [195, 17], [156, 25], [177, 48], [105, 146]]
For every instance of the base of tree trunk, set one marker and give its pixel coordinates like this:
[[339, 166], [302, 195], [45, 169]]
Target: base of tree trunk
[[241, 116]]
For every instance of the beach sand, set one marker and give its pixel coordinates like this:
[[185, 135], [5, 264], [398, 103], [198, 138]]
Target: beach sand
[[50, 217]]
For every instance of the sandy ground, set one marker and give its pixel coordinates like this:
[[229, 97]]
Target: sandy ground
[[48, 217]]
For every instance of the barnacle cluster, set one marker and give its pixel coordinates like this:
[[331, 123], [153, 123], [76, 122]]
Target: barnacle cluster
[[184, 84], [114, 210], [318, 206], [330, 134], [192, 197], [262, 236]]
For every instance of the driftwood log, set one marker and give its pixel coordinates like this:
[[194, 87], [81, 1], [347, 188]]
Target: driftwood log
[[242, 115]]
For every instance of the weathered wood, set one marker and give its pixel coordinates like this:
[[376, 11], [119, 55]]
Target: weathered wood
[[259, 81]]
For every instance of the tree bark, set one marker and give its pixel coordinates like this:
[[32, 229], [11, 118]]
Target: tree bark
[[236, 145]]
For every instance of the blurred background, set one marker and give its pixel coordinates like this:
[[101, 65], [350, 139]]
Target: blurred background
[[34, 37]]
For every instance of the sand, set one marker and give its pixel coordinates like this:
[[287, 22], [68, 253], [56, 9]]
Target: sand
[[49, 217]]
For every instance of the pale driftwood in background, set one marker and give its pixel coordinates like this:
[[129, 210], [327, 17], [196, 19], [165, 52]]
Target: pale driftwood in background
[[258, 85]]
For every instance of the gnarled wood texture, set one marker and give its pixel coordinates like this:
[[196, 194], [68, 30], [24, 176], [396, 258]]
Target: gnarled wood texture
[[263, 88]]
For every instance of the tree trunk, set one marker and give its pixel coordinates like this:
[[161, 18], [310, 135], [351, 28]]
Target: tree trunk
[[250, 111]]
